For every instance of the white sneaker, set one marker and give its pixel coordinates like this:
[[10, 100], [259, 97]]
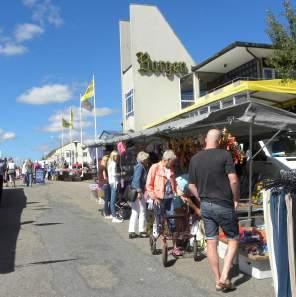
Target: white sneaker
[[116, 220], [108, 217]]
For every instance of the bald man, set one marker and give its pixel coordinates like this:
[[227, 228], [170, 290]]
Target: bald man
[[213, 180]]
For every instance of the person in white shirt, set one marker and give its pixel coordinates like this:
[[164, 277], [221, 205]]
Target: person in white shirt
[[113, 176], [11, 167]]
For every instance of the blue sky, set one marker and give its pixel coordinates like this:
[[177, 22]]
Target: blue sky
[[50, 48]]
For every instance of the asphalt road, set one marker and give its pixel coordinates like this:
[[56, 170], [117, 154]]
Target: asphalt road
[[54, 243]]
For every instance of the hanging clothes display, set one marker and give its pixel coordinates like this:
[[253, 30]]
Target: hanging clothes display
[[291, 241], [278, 211], [279, 208], [269, 237]]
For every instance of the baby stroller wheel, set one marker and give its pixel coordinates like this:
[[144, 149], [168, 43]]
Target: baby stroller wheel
[[152, 242], [195, 251], [165, 255]]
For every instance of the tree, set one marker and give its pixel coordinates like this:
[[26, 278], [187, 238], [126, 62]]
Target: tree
[[283, 37]]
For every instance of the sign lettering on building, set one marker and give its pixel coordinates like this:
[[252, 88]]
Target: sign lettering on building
[[147, 66]]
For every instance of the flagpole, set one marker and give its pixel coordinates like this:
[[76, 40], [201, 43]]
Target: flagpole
[[81, 134], [95, 119], [71, 146], [62, 150]]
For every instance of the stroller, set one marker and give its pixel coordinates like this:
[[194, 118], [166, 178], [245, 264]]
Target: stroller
[[182, 222], [123, 209]]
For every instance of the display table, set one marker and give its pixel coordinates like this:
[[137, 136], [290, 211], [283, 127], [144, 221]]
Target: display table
[[254, 265]]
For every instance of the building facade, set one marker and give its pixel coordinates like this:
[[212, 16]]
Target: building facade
[[71, 153], [153, 60]]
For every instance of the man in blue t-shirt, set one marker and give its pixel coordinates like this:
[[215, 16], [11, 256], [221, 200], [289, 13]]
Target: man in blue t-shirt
[[213, 180]]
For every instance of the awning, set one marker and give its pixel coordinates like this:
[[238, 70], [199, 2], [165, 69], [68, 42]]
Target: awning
[[265, 119], [273, 91]]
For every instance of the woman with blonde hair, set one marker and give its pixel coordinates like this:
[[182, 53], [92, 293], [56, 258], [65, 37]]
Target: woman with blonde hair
[[138, 216], [113, 177]]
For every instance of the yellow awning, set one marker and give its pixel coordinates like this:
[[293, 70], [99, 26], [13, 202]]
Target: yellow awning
[[270, 86]]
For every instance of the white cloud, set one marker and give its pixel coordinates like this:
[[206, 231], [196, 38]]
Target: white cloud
[[43, 11], [55, 93], [5, 136], [29, 2], [27, 31], [55, 120], [12, 49]]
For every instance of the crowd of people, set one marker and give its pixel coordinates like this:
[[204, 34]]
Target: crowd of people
[[213, 195]]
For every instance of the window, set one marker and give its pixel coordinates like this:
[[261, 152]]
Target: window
[[269, 73], [84, 154], [67, 155], [129, 104]]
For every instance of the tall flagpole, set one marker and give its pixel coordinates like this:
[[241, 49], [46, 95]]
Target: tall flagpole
[[62, 149], [71, 146], [81, 144], [95, 118]]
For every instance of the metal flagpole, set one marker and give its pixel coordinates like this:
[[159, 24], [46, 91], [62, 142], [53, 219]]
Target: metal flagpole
[[95, 118], [81, 144], [62, 149], [71, 150]]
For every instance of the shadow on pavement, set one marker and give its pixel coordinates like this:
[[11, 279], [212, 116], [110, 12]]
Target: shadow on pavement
[[13, 203], [243, 279], [27, 222], [53, 261], [47, 224], [42, 208]]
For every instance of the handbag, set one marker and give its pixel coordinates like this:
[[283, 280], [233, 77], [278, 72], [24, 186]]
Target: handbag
[[130, 193]]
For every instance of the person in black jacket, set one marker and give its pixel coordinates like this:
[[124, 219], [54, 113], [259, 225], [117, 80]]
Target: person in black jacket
[[138, 215]]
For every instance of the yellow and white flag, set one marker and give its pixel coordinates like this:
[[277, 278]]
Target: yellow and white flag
[[65, 123], [89, 93], [71, 119]]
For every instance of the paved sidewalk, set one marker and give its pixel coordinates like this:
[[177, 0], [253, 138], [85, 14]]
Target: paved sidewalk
[[55, 243]]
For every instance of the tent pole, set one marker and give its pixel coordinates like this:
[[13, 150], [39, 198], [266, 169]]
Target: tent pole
[[250, 169]]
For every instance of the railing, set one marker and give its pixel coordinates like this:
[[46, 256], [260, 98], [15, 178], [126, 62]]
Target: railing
[[229, 83]]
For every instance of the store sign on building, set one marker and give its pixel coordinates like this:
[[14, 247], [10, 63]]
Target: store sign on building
[[147, 66]]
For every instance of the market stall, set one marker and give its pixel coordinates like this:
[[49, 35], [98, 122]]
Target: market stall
[[243, 125]]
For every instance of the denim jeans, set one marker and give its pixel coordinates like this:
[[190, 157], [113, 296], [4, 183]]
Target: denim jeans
[[107, 198], [29, 178], [113, 199], [165, 208], [215, 216]]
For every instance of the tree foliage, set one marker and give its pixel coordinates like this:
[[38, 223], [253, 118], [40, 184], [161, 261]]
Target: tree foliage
[[283, 37]]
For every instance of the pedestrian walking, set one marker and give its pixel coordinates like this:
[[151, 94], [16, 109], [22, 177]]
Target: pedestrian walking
[[104, 185], [29, 172], [11, 167], [113, 176], [2, 173], [138, 216], [213, 180], [24, 171]]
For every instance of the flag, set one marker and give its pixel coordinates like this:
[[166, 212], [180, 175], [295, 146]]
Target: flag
[[89, 93], [71, 119], [65, 124]]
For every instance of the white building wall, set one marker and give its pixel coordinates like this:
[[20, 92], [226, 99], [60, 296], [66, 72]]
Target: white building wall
[[155, 96], [65, 152], [127, 85]]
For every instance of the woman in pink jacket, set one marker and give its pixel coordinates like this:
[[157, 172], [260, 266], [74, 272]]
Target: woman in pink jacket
[[161, 187]]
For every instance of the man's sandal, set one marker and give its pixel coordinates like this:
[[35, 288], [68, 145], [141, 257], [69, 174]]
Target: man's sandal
[[226, 286]]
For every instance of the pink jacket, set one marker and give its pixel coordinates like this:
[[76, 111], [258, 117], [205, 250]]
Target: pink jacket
[[156, 180]]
